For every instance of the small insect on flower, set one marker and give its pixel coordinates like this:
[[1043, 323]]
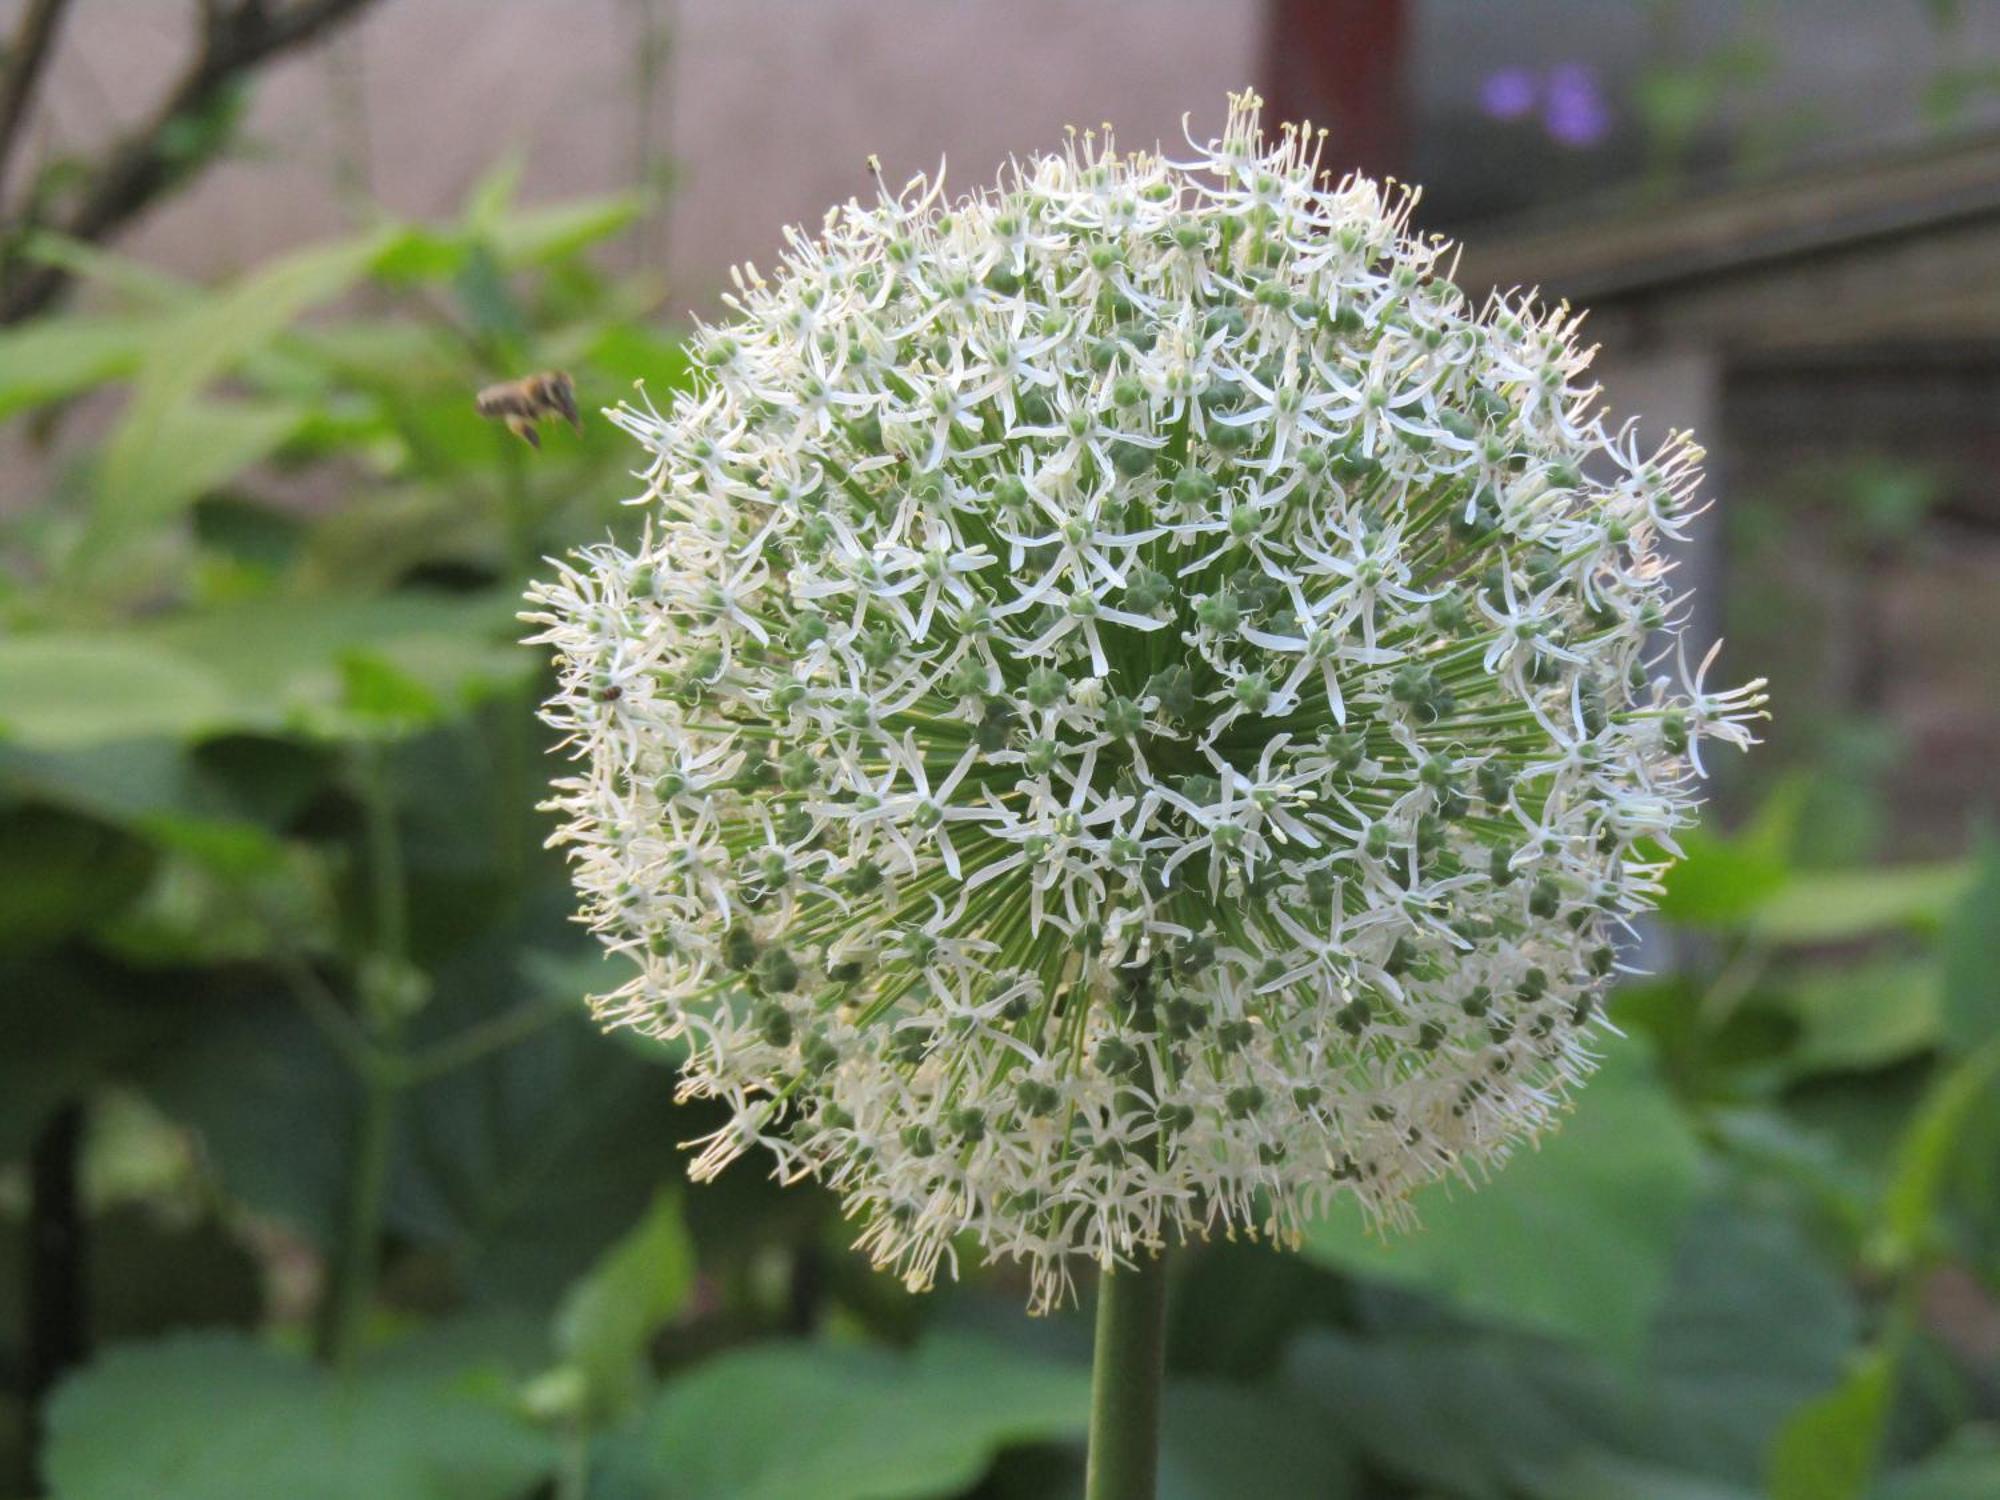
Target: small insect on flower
[[531, 399], [1138, 708]]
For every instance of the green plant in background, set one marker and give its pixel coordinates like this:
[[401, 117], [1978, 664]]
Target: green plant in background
[[268, 871]]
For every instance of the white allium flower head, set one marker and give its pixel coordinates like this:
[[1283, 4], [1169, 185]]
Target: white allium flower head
[[1133, 710]]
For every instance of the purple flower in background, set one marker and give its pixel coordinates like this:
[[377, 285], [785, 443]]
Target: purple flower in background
[[1573, 110], [1575, 113], [1509, 93]]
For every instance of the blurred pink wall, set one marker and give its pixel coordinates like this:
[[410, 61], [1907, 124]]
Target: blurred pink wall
[[768, 108]]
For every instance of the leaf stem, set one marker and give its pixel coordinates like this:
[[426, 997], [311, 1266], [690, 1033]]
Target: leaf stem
[[1128, 1370], [382, 1082], [354, 1288]]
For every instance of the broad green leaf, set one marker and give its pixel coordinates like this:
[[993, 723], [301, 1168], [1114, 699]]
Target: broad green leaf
[[1863, 1015], [608, 1318], [1751, 1327], [785, 1421], [1220, 1441], [192, 446], [1924, 1155], [489, 305], [136, 282], [1470, 1414], [1828, 1450], [1833, 907], [213, 1416], [1966, 1468], [62, 875], [65, 1036], [380, 696], [211, 336], [1972, 958], [627, 353], [420, 254], [122, 781], [202, 341], [1573, 1237], [523, 1167], [1726, 882], [288, 664], [379, 536], [1600, 1476], [1721, 884], [270, 665], [535, 237], [271, 1105], [1754, 1325], [494, 193], [51, 358], [62, 691]]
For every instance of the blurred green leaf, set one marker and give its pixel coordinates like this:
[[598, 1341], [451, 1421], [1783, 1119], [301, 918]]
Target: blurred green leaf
[[520, 1169], [1924, 1155], [1725, 882], [630, 352], [1755, 1323], [1220, 1441], [494, 193], [271, 1103], [539, 236], [1751, 1328], [65, 1036], [1863, 1015], [780, 1422], [59, 691], [1966, 1468], [146, 286], [491, 309], [1468, 1413], [1827, 1451], [420, 254], [1573, 1237], [1972, 958], [282, 659], [607, 1319], [142, 462], [192, 447], [281, 665], [377, 694], [379, 537], [215, 1416], [61, 875], [1836, 906], [53, 358]]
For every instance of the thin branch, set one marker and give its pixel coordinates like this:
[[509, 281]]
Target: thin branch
[[323, 1008], [476, 1041], [21, 70], [235, 40]]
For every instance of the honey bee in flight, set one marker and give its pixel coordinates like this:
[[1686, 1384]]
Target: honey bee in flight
[[524, 402]]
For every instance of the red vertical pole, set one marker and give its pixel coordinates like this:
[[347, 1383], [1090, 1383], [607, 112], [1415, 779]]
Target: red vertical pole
[[1340, 63]]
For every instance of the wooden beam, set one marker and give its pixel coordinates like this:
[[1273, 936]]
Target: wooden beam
[[1340, 64], [1903, 247]]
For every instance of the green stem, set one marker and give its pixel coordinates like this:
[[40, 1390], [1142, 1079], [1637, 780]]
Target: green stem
[[381, 1072], [388, 890], [354, 1288], [1125, 1380]]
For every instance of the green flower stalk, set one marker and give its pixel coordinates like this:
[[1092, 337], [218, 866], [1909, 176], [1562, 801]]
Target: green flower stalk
[[1136, 710]]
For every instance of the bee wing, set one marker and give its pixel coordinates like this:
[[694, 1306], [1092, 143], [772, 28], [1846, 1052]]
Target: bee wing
[[562, 392]]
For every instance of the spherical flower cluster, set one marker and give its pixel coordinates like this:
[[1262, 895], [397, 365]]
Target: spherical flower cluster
[[1133, 712]]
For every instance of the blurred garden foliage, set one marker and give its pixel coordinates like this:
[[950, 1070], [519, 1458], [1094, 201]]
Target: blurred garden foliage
[[370, 1208]]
